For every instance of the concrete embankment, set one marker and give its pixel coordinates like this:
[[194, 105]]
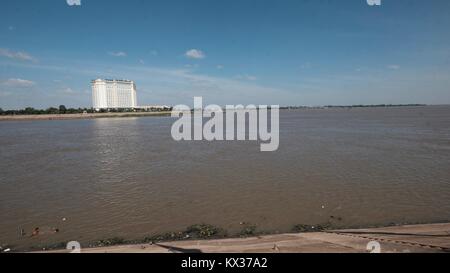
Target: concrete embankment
[[433, 238]]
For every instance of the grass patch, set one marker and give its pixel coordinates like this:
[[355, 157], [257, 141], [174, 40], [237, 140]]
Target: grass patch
[[301, 228], [110, 242], [203, 231], [249, 230], [198, 231]]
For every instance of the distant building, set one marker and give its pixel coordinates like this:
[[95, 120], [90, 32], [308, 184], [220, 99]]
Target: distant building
[[113, 94]]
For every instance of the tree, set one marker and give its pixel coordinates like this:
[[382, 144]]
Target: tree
[[62, 109], [1, 111], [51, 110], [29, 111]]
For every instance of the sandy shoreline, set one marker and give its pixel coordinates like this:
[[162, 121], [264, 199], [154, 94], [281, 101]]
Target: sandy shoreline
[[81, 116], [430, 238]]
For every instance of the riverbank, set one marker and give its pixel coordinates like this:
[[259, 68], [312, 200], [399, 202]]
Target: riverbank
[[82, 116], [168, 113], [431, 238]]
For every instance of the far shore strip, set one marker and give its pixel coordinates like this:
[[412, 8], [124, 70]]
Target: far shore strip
[[82, 116]]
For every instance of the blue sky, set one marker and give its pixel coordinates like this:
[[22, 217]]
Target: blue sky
[[289, 52]]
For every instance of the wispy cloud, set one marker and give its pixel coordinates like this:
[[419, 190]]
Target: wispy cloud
[[393, 66], [18, 83], [305, 66], [73, 2], [17, 55], [118, 53], [195, 54], [246, 77], [68, 90], [191, 65], [220, 67], [186, 82]]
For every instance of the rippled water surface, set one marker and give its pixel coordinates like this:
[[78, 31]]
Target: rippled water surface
[[128, 178]]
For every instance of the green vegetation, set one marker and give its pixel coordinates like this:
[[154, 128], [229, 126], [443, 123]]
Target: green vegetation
[[63, 110], [375, 105], [202, 231], [199, 231], [352, 106], [194, 232], [49, 111], [249, 230], [311, 228], [110, 242]]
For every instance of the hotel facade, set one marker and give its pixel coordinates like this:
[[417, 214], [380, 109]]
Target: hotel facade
[[113, 94]]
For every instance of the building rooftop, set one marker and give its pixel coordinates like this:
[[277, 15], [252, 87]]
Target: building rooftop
[[111, 80]]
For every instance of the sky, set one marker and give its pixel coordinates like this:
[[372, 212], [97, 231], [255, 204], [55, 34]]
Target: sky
[[289, 52]]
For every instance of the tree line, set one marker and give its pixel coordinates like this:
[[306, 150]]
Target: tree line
[[62, 109]]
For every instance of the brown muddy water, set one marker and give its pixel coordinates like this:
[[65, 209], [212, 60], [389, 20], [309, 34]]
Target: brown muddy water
[[127, 178]]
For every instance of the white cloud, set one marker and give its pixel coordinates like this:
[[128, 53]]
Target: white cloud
[[195, 54], [393, 66], [220, 67], [19, 55], [118, 53], [73, 2], [18, 83]]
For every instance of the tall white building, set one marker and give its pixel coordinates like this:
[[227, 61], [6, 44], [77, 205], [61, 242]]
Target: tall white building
[[113, 94]]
